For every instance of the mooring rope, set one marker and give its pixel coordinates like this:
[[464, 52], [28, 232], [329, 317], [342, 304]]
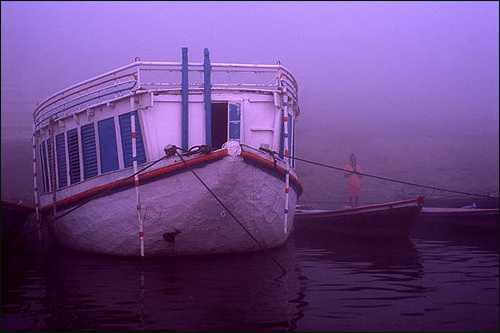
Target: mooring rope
[[398, 181], [98, 195], [378, 177], [232, 215]]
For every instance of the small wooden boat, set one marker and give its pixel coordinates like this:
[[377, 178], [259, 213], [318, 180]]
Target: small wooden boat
[[14, 216], [381, 220], [479, 218]]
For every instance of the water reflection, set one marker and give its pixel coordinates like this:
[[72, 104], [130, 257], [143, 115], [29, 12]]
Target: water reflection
[[350, 278], [230, 292], [446, 231], [433, 282], [373, 253], [21, 291]]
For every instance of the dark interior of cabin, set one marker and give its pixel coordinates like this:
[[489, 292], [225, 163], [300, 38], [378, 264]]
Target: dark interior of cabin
[[219, 124]]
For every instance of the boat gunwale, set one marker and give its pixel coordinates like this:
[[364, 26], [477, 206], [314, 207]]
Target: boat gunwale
[[445, 211], [17, 207], [417, 202], [169, 169]]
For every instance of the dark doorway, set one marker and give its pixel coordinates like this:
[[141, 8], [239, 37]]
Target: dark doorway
[[219, 124]]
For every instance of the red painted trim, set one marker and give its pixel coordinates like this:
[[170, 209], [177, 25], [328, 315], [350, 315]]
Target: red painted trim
[[17, 207], [147, 175], [172, 168], [270, 165]]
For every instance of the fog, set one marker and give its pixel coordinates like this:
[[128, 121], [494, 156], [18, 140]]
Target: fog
[[411, 87]]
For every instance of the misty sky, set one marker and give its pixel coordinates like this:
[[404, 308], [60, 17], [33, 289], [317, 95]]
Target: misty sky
[[427, 67]]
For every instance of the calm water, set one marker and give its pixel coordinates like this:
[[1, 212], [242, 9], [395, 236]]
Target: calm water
[[435, 280]]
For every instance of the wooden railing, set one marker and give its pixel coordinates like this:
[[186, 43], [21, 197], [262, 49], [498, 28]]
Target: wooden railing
[[155, 76]]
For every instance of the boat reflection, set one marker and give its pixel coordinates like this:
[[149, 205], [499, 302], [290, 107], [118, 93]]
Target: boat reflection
[[456, 233], [377, 253], [243, 292]]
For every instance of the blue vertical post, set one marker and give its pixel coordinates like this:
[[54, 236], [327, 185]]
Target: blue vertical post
[[208, 98], [185, 98]]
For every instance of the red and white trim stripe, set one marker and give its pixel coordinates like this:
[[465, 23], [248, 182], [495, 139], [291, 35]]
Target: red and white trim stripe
[[136, 177], [285, 144]]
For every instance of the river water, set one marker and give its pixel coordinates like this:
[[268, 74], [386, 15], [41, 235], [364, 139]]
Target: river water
[[433, 280]]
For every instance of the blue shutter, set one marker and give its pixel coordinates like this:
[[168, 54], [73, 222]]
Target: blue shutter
[[74, 156], [290, 133], [61, 160], [107, 145], [43, 162], [125, 131], [50, 163], [293, 142], [89, 151]]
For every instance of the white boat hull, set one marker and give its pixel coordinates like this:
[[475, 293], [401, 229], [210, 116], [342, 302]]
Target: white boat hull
[[179, 208], [91, 137]]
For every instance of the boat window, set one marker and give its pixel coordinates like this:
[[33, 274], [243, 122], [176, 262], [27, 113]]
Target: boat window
[[219, 124], [43, 163], [291, 127], [126, 134], [61, 161], [107, 145], [234, 121], [89, 151], [73, 156]]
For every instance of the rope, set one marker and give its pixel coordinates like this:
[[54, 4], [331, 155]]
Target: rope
[[234, 217], [332, 202], [397, 181], [379, 177], [98, 195]]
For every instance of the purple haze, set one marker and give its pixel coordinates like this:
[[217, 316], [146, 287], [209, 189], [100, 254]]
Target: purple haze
[[366, 70]]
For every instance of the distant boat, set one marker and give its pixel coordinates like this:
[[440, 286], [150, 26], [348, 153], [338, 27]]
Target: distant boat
[[92, 137], [477, 218], [14, 215], [380, 220]]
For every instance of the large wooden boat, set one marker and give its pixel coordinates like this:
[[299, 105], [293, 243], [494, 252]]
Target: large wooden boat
[[380, 220], [186, 126]]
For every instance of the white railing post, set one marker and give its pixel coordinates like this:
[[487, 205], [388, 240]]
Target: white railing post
[[35, 187], [52, 163], [285, 146], [138, 76]]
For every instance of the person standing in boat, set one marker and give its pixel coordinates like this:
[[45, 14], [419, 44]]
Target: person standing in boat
[[353, 186]]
